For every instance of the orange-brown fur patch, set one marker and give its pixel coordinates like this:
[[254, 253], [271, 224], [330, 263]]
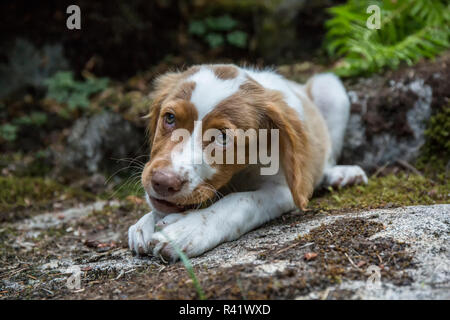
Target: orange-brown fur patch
[[163, 86], [184, 91], [320, 143], [225, 72], [295, 148], [168, 95]]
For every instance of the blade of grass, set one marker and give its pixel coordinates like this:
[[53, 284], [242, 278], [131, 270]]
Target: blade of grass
[[187, 264]]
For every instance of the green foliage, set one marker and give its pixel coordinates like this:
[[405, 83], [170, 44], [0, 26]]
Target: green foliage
[[237, 39], [410, 30], [197, 28], [217, 31], [214, 39], [35, 118], [8, 132], [223, 23], [63, 88]]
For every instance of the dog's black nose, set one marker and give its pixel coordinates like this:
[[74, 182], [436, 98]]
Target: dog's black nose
[[166, 183]]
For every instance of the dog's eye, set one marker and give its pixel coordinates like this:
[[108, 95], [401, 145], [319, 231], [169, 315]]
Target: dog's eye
[[169, 118], [222, 139]]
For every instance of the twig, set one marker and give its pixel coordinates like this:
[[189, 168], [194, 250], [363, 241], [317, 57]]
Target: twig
[[161, 257], [351, 261], [413, 169], [120, 275], [380, 169], [48, 291], [161, 269], [379, 258], [12, 273], [294, 245], [408, 166]]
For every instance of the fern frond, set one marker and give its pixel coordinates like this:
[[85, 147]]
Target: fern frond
[[410, 30]]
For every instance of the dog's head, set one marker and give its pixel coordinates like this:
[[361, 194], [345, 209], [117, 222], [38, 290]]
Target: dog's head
[[194, 117]]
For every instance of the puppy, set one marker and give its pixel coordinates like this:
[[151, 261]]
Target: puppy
[[209, 111]]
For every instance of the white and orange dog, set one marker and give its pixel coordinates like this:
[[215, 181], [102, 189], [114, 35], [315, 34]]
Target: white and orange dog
[[310, 121]]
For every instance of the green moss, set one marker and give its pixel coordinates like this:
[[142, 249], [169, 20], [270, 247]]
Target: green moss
[[34, 192], [389, 191], [33, 164], [51, 234], [435, 153]]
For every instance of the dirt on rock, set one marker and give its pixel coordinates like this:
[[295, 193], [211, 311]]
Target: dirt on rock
[[298, 256]]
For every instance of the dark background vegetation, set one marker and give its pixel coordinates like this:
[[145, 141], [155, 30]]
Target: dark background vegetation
[[50, 76], [125, 37]]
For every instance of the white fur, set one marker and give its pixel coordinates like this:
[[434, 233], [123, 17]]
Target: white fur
[[210, 90], [260, 198], [330, 97], [340, 176], [189, 162], [271, 80]]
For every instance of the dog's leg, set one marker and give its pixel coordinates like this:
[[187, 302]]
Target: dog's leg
[[328, 94], [226, 220]]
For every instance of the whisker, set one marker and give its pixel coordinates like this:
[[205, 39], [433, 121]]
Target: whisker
[[131, 182], [131, 160], [120, 170]]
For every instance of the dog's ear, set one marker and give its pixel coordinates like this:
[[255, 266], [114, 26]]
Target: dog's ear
[[294, 151], [163, 85]]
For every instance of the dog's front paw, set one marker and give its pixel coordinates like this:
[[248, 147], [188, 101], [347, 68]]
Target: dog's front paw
[[186, 235], [340, 176], [140, 234]]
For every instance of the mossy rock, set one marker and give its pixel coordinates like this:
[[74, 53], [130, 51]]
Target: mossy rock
[[384, 192], [436, 150]]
